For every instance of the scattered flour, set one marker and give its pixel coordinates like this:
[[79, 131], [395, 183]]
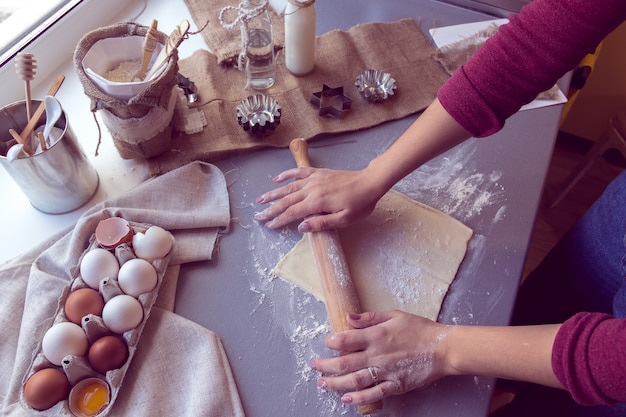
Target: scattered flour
[[302, 318], [458, 189]]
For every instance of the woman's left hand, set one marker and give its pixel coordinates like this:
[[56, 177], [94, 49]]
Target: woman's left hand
[[388, 353]]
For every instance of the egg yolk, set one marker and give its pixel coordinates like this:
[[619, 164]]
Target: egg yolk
[[92, 399]]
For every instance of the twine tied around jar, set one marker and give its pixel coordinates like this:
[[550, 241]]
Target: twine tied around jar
[[244, 15]]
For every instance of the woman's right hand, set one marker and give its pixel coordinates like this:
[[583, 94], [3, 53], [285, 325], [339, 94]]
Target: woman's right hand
[[325, 198]]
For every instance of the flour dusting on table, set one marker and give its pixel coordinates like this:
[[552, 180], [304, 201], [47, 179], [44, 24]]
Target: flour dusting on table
[[302, 318], [452, 184]]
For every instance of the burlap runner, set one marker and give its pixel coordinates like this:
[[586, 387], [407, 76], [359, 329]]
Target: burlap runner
[[399, 48]]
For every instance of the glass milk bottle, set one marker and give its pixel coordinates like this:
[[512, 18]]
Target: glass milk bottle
[[257, 32], [300, 36]]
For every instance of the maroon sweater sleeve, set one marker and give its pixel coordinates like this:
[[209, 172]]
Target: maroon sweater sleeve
[[589, 358], [527, 56]]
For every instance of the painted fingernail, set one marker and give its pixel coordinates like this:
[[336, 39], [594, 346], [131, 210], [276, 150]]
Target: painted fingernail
[[321, 383], [346, 399], [354, 316], [261, 199], [276, 178], [304, 227], [312, 365]]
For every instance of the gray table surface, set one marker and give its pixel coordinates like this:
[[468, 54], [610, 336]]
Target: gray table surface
[[272, 330]]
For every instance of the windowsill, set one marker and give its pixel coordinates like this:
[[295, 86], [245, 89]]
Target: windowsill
[[56, 46], [23, 226]]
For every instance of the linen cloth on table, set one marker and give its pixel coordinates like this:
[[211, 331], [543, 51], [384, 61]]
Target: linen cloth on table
[[179, 368], [399, 48]]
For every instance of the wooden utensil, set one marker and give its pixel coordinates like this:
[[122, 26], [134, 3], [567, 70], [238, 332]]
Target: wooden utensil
[[339, 292], [42, 141], [41, 108], [149, 45], [18, 139], [175, 38], [25, 66]]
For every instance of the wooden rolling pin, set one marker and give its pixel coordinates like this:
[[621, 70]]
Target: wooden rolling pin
[[339, 292]]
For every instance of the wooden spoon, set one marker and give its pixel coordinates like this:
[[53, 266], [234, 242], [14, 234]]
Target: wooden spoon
[[149, 45]]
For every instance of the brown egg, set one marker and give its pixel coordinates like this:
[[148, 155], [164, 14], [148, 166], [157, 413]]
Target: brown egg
[[45, 388], [107, 353], [82, 302]]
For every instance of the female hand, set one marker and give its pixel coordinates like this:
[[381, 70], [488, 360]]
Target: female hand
[[328, 199], [389, 353]]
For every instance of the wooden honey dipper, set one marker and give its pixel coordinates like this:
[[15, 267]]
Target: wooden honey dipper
[[340, 295], [25, 66]]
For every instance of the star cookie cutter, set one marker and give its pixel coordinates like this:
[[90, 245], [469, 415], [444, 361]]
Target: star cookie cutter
[[331, 101], [259, 115]]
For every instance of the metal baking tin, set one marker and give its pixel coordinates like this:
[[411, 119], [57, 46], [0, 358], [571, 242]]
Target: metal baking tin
[[259, 115], [375, 85]]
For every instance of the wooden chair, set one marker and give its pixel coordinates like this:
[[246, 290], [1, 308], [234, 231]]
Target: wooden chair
[[580, 75], [613, 137]]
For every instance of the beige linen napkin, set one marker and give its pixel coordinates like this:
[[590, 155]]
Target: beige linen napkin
[[179, 367]]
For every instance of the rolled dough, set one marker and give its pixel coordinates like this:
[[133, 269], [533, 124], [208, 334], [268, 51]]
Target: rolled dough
[[403, 256]]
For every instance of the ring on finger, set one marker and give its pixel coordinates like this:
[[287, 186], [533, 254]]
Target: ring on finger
[[373, 373]]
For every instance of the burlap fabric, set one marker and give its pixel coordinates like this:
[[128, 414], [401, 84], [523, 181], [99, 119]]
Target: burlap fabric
[[225, 43], [399, 48], [149, 111]]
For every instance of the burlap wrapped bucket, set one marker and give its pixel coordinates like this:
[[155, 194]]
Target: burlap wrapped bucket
[[139, 126]]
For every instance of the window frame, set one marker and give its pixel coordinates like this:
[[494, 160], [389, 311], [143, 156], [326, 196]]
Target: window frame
[[54, 45]]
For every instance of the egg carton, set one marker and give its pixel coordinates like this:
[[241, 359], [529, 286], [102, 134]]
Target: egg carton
[[77, 368]]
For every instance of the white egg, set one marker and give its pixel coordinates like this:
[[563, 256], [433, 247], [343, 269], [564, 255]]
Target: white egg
[[62, 339], [122, 313], [96, 265], [154, 244], [137, 276]]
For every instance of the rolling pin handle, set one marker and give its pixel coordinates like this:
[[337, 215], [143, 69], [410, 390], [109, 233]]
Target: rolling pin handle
[[300, 151], [370, 409]]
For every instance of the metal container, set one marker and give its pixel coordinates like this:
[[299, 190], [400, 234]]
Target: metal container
[[57, 180]]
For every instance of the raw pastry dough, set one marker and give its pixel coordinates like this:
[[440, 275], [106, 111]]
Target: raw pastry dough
[[403, 256]]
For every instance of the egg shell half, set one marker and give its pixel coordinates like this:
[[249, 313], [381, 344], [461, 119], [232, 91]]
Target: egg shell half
[[89, 397], [113, 231], [154, 244]]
